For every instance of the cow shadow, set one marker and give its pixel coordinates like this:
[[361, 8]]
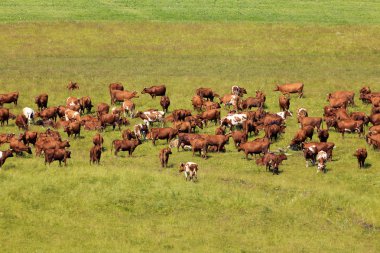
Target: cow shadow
[[367, 166]]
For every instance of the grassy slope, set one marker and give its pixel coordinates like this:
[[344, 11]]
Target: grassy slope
[[127, 203]]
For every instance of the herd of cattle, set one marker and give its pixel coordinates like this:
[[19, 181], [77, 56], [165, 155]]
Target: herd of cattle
[[239, 123]]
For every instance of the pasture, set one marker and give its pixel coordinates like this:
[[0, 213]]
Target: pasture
[[130, 204]]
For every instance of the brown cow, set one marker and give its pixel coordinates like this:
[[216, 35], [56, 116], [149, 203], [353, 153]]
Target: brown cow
[[346, 96], [375, 119], [98, 140], [95, 154], [164, 156], [290, 88], [19, 147], [72, 86], [374, 140], [85, 103], [182, 126], [199, 145], [284, 102], [128, 108], [311, 121], [323, 135], [115, 86], [154, 91], [312, 148], [127, 134], [206, 93], [272, 119], [209, 105], [255, 147], [21, 122], [110, 119], [165, 103], [125, 145], [8, 98], [60, 155], [180, 114], [350, 126], [185, 138], [167, 133], [251, 102], [48, 113], [73, 129], [361, 155], [239, 137], [272, 131], [6, 138], [298, 139], [221, 130], [4, 155], [375, 101], [374, 129], [197, 102], [41, 101], [213, 115], [270, 159], [102, 108], [5, 115], [29, 137], [217, 140], [44, 144], [120, 96], [71, 115]]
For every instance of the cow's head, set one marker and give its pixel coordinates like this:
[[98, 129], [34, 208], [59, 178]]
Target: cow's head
[[144, 90], [277, 88]]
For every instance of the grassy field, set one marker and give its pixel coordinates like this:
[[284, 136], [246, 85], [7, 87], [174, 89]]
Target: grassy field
[[129, 204]]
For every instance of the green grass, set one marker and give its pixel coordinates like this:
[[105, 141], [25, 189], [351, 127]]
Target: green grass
[[129, 204], [292, 11]]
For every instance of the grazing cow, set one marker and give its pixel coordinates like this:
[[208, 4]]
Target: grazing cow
[[29, 137], [115, 86], [190, 169], [154, 91], [141, 130], [102, 108], [167, 133], [322, 159], [300, 137], [48, 113], [5, 115], [180, 114], [350, 126], [41, 101], [8, 98], [21, 122], [338, 102], [151, 116], [6, 138], [128, 108], [125, 145], [239, 137], [311, 121], [360, 116], [60, 155], [4, 155], [212, 115], [85, 103], [19, 147], [197, 102], [323, 135], [254, 147], [164, 156], [199, 145], [73, 129], [110, 120], [127, 134], [71, 115], [272, 131], [234, 120], [29, 114], [165, 103], [95, 154], [239, 91], [98, 140], [120, 96], [229, 100], [182, 126], [209, 105], [72, 86], [284, 102], [375, 119], [347, 96], [206, 93], [217, 140], [318, 146], [290, 88], [361, 155], [251, 102], [270, 160]]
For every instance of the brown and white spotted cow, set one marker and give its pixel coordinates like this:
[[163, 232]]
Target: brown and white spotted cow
[[71, 115], [190, 170], [322, 159], [141, 130], [234, 120], [239, 91], [151, 116]]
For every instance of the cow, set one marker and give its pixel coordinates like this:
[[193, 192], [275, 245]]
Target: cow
[[291, 88], [4, 155], [95, 154], [311, 121], [374, 129], [73, 129], [272, 119], [217, 140], [141, 130], [71, 115], [347, 96], [154, 91], [73, 103], [180, 114], [165, 103], [93, 125], [19, 147], [29, 137], [206, 93], [350, 126], [375, 119], [375, 101], [110, 119], [125, 145], [338, 102], [360, 116], [251, 102], [41, 101], [5, 115], [72, 86], [250, 126], [21, 122], [190, 169], [271, 161], [300, 137], [182, 126], [151, 116], [185, 138], [48, 113], [209, 105], [323, 135], [60, 155], [301, 113], [6, 138], [374, 140], [322, 159], [98, 140], [284, 102], [127, 134], [316, 147], [167, 133], [221, 130], [199, 145], [239, 91], [272, 131], [8, 98], [211, 115], [239, 137], [29, 114], [164, 156], [197, 102], [229, 100], [46, 143], [120, 96], [102, 108], [115, 86], [375, 110], [234, 120], [361, 155], [254, 147], [85, 104]]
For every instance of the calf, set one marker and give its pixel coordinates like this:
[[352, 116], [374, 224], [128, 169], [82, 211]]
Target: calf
[[290, 88], [125, 145], [41, 101], [361, 155], [120, 96], [165, 103], [164, 156], [154, 91], [60, 155], [4, 155], [72, 86], [190, 170], [322, 159], [95, 154], [284, 102]]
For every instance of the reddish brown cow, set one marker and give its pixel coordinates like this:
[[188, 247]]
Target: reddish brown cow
[[347, 96], [44, 144], [323, 135], [300, 136], [73, 129], [270, 159], [120, 96], [98, 140], [184, 139], [165, 103], [6, 138], [164, 156], [85, 104], [290, 88], [311, 121], [95, 154], [239, 137], [213, 115], [199, 145], [127, 134], [338, 102], [374, 140], [19, 147], [48, 113], [255, 147], [209, 105], [102, 108], [272, 131], [272, 119], [284, 102], [361, 155], [29, 137], [125, 145], [154, 91], [21, 122], [60, 155], [167, 133], [251, 102], [41, 101], [197, 102], [5, 115], [4, 155], [350, 126], [8, 98], [374, 130], [206, 93], [182, 126], [360, 116], [72, 86], [375, 101], [217, 140], [110, 119], [221, 130], [375, 119], [180, 114], [115, 86]]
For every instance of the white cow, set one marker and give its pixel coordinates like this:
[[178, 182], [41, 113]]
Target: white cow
[[29, 114]]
